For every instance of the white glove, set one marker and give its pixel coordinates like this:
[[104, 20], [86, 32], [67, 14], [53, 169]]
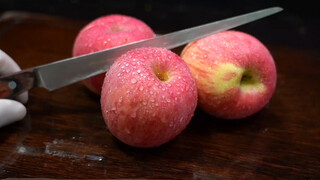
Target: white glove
[[11, 110]]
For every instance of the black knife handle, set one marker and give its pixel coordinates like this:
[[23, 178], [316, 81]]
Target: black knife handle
[[13, 85]]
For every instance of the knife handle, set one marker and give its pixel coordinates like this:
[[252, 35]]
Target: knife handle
[[13, 85]]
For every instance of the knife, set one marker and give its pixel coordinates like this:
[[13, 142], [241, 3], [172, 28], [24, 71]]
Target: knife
[[61, 73]]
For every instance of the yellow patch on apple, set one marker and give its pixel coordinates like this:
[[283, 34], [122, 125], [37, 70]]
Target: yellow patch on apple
[[227, 76]]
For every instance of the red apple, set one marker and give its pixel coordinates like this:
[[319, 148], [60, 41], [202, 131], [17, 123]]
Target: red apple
[[148, 97], [107, 32], [235, 74]]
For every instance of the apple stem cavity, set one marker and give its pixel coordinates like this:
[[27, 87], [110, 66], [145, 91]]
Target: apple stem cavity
[[250, 81], [162, 76], [247, 78]]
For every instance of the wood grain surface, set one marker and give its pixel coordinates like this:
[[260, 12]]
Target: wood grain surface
[[64, 135]]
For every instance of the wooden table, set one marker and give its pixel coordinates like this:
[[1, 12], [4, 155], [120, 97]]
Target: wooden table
[[64, 135]]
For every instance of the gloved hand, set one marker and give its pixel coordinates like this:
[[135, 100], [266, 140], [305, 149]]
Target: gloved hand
[[11, 110]]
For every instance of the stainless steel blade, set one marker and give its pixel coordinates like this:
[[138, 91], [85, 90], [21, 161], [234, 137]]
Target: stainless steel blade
[[61, 73]]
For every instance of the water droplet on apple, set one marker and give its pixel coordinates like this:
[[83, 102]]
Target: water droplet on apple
[[171, 124], [133, 81], [133, 114], [139, 71], [168, 100], [127, 131], [141, 88]]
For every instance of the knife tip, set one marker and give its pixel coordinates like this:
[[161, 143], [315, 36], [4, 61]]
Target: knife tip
[[278, 8]]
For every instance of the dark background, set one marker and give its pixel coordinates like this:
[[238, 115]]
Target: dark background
[[298, 25]]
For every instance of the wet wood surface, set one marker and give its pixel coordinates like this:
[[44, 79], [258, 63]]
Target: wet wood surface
[[64, 135]]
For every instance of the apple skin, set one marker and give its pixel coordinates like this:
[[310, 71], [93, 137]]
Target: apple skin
[[235, 74], [108, 32], [148, 97]]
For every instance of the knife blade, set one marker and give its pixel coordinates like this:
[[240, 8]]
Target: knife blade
[[61, 73]]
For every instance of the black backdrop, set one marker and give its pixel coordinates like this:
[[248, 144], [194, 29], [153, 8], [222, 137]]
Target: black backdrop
[[298, 25]]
